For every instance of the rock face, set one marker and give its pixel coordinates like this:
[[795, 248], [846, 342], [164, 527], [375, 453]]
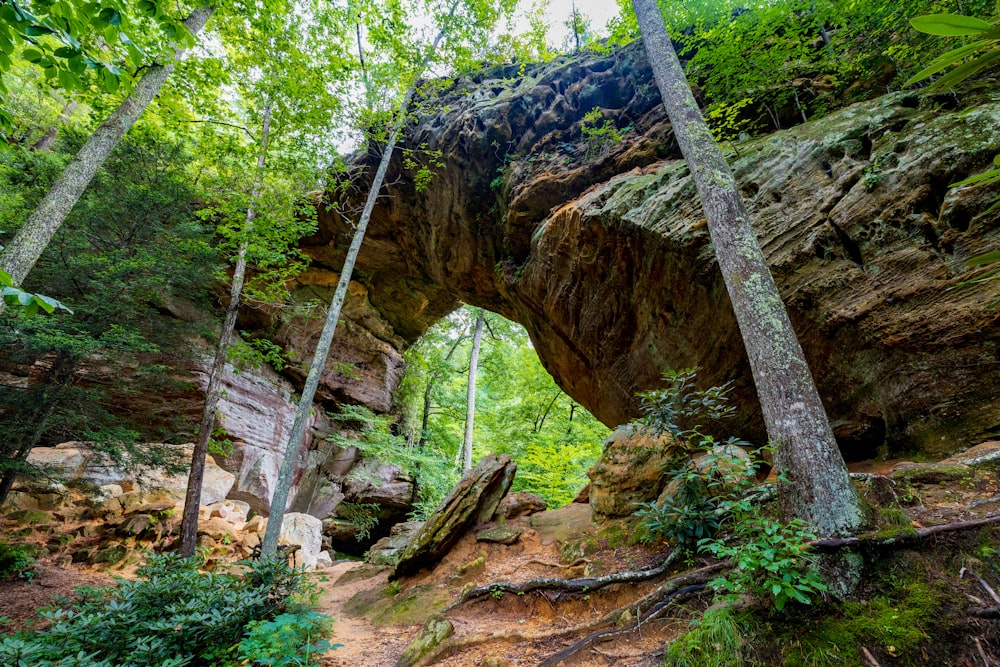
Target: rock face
[[601, 251], [75, 461], [473, 501]]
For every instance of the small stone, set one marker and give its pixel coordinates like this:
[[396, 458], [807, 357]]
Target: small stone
[[496, 661], [474, 565], [500, 535]]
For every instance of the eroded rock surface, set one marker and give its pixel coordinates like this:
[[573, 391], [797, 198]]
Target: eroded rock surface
[[601, 250], [473, 501]]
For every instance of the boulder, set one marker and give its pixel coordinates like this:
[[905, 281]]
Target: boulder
[[233, 511], [385, 484], [388, 550], [473, 501], [323, 560], [306, 532], [218, 529], [519, 504], [631, 470]]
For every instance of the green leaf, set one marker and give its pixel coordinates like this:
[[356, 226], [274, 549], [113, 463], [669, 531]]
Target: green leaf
[[963, 72], [110, 79], [111, 16], [48, 304], [985, 258], [38, 30], [946, 60], [5, 279], [949, 25], [985, 178], [32, 55], [68, 80]]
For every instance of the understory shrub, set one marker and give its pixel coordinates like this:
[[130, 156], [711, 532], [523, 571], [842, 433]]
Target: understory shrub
[[16, 561], [173, 616]]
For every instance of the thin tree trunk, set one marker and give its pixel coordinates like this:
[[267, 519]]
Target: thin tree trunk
[[45, 143], [814, 485], [282, 487], [192, 498], [470, 396], [431, 382], [23, 251]]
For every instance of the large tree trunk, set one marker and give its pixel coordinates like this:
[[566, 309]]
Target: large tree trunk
[[813, 481], [283, 485], [23, 251], [470, 396], [192, 498]]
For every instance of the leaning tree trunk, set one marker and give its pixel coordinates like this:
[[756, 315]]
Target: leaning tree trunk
[[813, 481], [23, 251], [470, 396], [192, 498], [282, 486]]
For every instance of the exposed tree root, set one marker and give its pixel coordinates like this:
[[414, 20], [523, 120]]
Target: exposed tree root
[[587, 584], [902, 538], [605, 635], [654, 602]]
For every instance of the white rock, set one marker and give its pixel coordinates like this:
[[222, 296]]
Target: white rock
[[233, 511], [306, 531], [66, 462], [323, 560]]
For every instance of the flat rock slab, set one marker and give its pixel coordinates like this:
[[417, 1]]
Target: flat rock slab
[[561, 524], [500, 535], [473, 501]]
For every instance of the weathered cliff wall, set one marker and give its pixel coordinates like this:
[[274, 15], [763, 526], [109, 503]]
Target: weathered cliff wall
[[599, 249]]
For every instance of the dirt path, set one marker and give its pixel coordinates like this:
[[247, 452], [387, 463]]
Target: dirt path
[[376, 623], [363, 643]]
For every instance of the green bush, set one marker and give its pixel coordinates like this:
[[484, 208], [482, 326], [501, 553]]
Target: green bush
[[175, 615], [16, 561], [290, 639]]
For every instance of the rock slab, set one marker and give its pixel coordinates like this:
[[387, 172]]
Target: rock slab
[[473, 501]]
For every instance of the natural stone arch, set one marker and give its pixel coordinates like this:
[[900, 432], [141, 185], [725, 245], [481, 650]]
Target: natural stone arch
[[600, 252]]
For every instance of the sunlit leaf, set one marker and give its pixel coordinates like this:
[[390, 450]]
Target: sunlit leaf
[[949, 25]]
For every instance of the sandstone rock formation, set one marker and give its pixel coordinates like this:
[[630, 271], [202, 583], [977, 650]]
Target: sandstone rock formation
[[632, 469], [601, 252], [473, 501]]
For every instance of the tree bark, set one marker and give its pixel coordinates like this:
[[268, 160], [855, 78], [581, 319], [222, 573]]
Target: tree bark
[[192, 498], [23, 251], [282, 487], [470, 396], [813, 481]]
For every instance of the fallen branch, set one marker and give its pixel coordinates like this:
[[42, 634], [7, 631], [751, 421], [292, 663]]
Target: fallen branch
[[583, 584], [906, 537], [664, 590]]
